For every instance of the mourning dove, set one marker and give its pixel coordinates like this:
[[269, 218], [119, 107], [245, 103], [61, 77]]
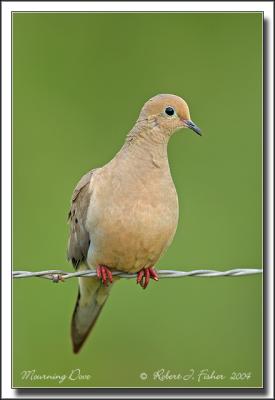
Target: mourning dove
[[124, 215]]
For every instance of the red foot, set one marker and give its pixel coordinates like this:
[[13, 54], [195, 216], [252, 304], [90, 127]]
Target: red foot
[[143, 276], [104, 274]]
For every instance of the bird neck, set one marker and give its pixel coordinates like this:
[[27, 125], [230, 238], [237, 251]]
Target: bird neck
[[147, 142]]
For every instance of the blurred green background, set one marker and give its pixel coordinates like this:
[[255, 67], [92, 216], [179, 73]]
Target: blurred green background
[[79, 81]]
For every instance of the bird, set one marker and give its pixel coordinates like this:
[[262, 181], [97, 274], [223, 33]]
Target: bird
[[124, 215]]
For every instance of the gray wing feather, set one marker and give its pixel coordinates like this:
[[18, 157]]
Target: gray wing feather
[[79, 240]]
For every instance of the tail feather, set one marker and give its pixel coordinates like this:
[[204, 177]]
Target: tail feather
[[92, 296]]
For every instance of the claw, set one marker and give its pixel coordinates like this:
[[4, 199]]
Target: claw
[[147, 278], [153, 274], [144, 275], [104, 274], [110, 276], [140, 276]]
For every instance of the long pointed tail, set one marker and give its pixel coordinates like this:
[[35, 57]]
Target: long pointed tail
[[92, 296]]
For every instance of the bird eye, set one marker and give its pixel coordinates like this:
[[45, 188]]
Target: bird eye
[[169, 111]]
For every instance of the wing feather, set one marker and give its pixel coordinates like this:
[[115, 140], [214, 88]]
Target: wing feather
[[79, 241]]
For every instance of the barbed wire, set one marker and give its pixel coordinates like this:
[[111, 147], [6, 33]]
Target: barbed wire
[[57, 275]]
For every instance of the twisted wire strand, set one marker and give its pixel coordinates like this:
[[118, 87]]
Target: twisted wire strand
[[57, 275]]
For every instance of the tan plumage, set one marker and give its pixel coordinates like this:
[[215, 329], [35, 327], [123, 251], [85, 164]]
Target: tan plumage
[[125, 214]]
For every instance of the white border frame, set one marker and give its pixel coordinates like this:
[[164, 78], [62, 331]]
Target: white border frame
[[206, 6]]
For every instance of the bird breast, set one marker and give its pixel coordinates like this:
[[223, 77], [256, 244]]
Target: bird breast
[[132, 217]]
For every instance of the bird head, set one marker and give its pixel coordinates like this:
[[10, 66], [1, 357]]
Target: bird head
[[169, 112]]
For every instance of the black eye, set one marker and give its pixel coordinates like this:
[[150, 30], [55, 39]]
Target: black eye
[[169, 111]]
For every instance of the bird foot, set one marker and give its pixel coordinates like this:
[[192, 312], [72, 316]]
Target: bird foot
[[104, 274], [144, 275]]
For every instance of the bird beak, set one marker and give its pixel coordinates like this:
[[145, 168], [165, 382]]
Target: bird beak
[[190, 124]]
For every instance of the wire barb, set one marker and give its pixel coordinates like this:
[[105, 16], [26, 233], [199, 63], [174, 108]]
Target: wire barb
[[59, 275]]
